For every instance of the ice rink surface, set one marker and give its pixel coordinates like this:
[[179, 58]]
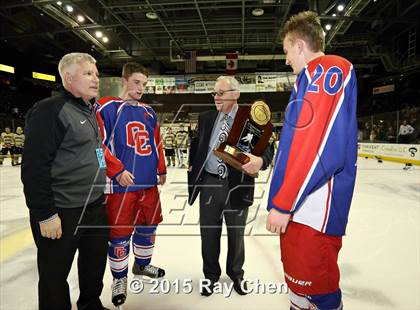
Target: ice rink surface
[[380, 259]]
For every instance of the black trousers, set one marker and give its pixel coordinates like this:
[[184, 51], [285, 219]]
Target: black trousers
[[404, 139], [55, 257], [213, 208]]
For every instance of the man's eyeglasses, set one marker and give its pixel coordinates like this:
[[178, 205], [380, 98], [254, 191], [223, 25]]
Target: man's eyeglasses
[[220, 93]]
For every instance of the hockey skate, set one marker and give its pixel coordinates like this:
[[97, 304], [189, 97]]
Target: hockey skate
[[149, 271], [119, 292]]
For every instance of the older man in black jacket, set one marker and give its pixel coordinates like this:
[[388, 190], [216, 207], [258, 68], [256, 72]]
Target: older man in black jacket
[[225, 191], [63, 174]]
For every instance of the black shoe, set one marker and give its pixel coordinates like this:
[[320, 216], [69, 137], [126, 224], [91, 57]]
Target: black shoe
[[208, 290], [241, 290]]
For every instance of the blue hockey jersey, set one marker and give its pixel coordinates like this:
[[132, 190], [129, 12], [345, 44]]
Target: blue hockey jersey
[[315, 167], [131, 141]]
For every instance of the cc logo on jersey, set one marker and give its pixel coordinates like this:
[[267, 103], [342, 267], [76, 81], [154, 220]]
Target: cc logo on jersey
[[138, 138], [119, 251]]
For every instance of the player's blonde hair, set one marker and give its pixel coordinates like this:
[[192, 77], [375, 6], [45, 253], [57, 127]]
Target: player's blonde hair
[[68, 61], [306, 26]]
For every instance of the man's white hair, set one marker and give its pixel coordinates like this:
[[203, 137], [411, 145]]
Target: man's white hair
[[234, 84], [68, 61]]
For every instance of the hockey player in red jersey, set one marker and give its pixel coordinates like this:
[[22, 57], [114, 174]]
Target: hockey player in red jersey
[[135, 166], [315, 169]]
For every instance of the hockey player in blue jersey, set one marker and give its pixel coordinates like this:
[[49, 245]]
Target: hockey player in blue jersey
[[135, 166], [315, 170]]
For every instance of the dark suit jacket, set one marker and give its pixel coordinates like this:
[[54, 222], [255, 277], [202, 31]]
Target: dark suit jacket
[[241, 185]]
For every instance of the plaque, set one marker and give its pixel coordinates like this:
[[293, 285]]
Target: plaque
[[250, 133]]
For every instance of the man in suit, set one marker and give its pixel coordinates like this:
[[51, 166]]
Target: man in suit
[[225, 191]]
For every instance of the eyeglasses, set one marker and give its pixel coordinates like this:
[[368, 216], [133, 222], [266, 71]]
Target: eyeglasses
[[220, 93]]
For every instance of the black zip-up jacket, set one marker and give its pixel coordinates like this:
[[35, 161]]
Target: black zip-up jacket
[[60, 168]]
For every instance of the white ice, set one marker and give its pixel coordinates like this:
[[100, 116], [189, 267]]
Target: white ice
[[380, 259]]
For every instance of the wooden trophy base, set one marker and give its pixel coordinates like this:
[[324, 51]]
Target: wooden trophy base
[[233, 157]]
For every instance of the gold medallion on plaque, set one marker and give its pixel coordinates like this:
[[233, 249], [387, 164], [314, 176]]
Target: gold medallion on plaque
[[250, 133], [260, 113]]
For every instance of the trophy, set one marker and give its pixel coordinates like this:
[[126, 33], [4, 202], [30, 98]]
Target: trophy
[[250, 133]]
